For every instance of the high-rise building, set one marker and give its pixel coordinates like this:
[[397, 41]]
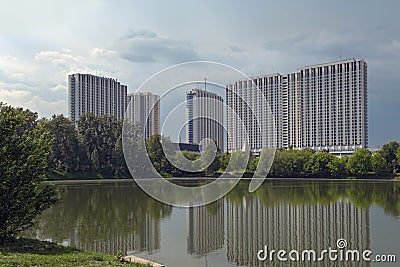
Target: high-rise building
[[204, 117], [323, 107], [144, 108], [88, 93]]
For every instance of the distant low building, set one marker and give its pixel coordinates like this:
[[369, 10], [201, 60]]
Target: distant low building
[[186, 147]]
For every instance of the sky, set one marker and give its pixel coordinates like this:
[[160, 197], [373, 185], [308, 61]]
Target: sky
[[41, 42]]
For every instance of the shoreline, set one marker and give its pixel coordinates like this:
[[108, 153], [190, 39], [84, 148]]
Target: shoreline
[[199, 179]]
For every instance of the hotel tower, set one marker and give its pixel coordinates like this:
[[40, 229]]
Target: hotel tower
[[88, 93], [323, 107]]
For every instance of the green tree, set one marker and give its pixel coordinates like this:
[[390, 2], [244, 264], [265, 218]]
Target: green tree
[[359, 164], [319, 164], [379, 165], [252, 164], [98, 138], [290, 163], [238, 161], [223, 161], [155, 150], [25, 146], [397, 153], [338, 167], [65, 149], [395, 163], [279, 167], [388, 151]]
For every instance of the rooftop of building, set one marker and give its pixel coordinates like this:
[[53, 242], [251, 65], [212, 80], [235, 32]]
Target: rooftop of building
[[333, 63], [201, 91], [142, 93], [96, 76], [305, 67]]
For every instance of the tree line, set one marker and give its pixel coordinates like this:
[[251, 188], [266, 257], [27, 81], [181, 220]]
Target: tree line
[[95, 146]]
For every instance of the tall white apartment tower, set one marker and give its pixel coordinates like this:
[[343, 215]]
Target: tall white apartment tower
[[323, 107], [144, 108], [204, 117], [88, 93]]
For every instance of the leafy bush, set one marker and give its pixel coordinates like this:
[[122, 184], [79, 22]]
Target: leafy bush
[[24, 150]]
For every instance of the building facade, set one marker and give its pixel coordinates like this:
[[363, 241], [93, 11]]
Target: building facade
[[144, 108], [204, 112], [88, 93], [323, 107]]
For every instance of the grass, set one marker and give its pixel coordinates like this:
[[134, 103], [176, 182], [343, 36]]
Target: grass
[[29, 252]]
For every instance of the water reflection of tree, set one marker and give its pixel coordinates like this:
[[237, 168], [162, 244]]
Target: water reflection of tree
[[104, 212], [362, 194]]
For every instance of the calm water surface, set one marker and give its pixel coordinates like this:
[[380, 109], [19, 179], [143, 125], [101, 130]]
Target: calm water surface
[[282, 214]]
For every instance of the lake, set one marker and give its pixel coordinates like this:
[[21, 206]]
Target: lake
[[112, 216]]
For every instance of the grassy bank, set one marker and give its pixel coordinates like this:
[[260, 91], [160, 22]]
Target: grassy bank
[[29, 252]]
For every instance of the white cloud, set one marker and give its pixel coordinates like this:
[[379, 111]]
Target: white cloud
[[57, 58], [26, 99], [59, 87], [14, 97], [100, 52]]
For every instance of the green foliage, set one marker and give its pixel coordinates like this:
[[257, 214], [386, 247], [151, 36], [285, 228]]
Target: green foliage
[[237, 161], [25, 146], [252, 164], [320, 164], [156, 154], [64, 155], [223, 161], [99, 136], [388, 151], [94, 147], [290, 163], [397, 153], [338, 167], [359, 164], [379, 165], [190, 155]]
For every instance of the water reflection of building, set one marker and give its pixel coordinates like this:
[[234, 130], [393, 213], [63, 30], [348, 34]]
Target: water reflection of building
[[250, 226], [145, 237], [205, 231]]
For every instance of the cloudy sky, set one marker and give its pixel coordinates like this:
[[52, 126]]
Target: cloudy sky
[[44, 41]]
